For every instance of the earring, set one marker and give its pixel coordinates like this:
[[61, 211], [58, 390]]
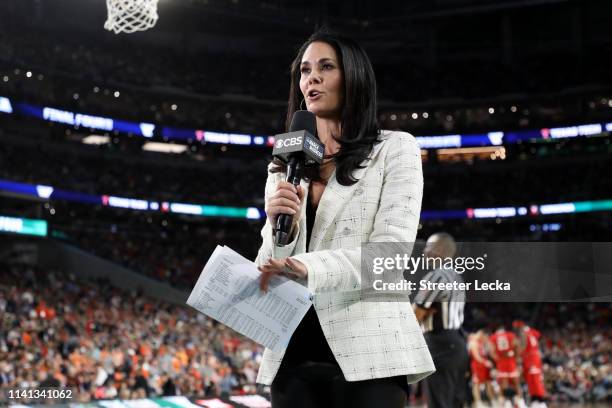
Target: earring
[[301, 103]]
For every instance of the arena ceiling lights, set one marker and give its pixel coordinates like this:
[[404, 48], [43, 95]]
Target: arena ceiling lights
[[149, 130]]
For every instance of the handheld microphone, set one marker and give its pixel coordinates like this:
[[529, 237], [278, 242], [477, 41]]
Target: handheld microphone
[[298, 148]]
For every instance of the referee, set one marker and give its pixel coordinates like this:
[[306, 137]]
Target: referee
[[440, 313]]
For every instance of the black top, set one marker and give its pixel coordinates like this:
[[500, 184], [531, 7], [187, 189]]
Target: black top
[[311, 213], [308, 342]]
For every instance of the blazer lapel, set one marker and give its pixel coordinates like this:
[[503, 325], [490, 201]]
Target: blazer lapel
[[334, 198]]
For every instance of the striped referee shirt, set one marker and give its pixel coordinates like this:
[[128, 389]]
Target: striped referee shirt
[[447, 304]]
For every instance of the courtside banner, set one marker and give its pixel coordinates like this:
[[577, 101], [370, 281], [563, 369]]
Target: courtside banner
[[489, 272]]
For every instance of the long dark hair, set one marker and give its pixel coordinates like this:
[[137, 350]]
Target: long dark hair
[[358, 121]]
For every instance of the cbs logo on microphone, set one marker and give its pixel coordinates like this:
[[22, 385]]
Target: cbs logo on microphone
[[293, 141]]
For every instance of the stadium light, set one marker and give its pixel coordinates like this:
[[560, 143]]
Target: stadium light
[[96, 140], [164, 147]]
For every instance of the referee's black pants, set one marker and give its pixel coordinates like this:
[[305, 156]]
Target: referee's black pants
[[322, 385], [446, 387]]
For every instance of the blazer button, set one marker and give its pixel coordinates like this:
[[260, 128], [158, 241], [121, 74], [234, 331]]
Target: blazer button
[[359, 191], [347, 231]]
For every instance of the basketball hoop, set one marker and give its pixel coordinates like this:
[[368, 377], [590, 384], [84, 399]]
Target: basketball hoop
[[128, 16]]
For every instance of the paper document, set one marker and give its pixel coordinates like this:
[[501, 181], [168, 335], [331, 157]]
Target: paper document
[[228, 291]]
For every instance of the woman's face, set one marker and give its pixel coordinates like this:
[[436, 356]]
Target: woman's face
[[321, 80]]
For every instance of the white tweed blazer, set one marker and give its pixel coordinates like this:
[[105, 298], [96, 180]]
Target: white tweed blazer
[[369, 339]]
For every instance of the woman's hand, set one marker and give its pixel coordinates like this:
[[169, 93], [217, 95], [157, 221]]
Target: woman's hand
[[288, 267], [286, 200]]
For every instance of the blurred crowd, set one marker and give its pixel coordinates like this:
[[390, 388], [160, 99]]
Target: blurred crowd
[[578, 352], [247, 92], [164, 248], [160, 66], [107, 343], [147, 65], [541, 177], [173, 248], [157, 177], [551, 173], [144, 84], [576, 344]]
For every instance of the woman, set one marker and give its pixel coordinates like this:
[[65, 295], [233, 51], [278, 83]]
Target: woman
[[345, 352]]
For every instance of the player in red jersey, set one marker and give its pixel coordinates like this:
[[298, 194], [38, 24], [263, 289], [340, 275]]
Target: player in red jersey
[[505, 352], [481, 366], [532, 362]]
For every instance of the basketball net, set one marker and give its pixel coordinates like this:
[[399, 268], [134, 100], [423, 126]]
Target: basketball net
[[128, 16]]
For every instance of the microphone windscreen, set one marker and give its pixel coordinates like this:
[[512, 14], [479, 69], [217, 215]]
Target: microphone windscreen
[[304, 120]]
